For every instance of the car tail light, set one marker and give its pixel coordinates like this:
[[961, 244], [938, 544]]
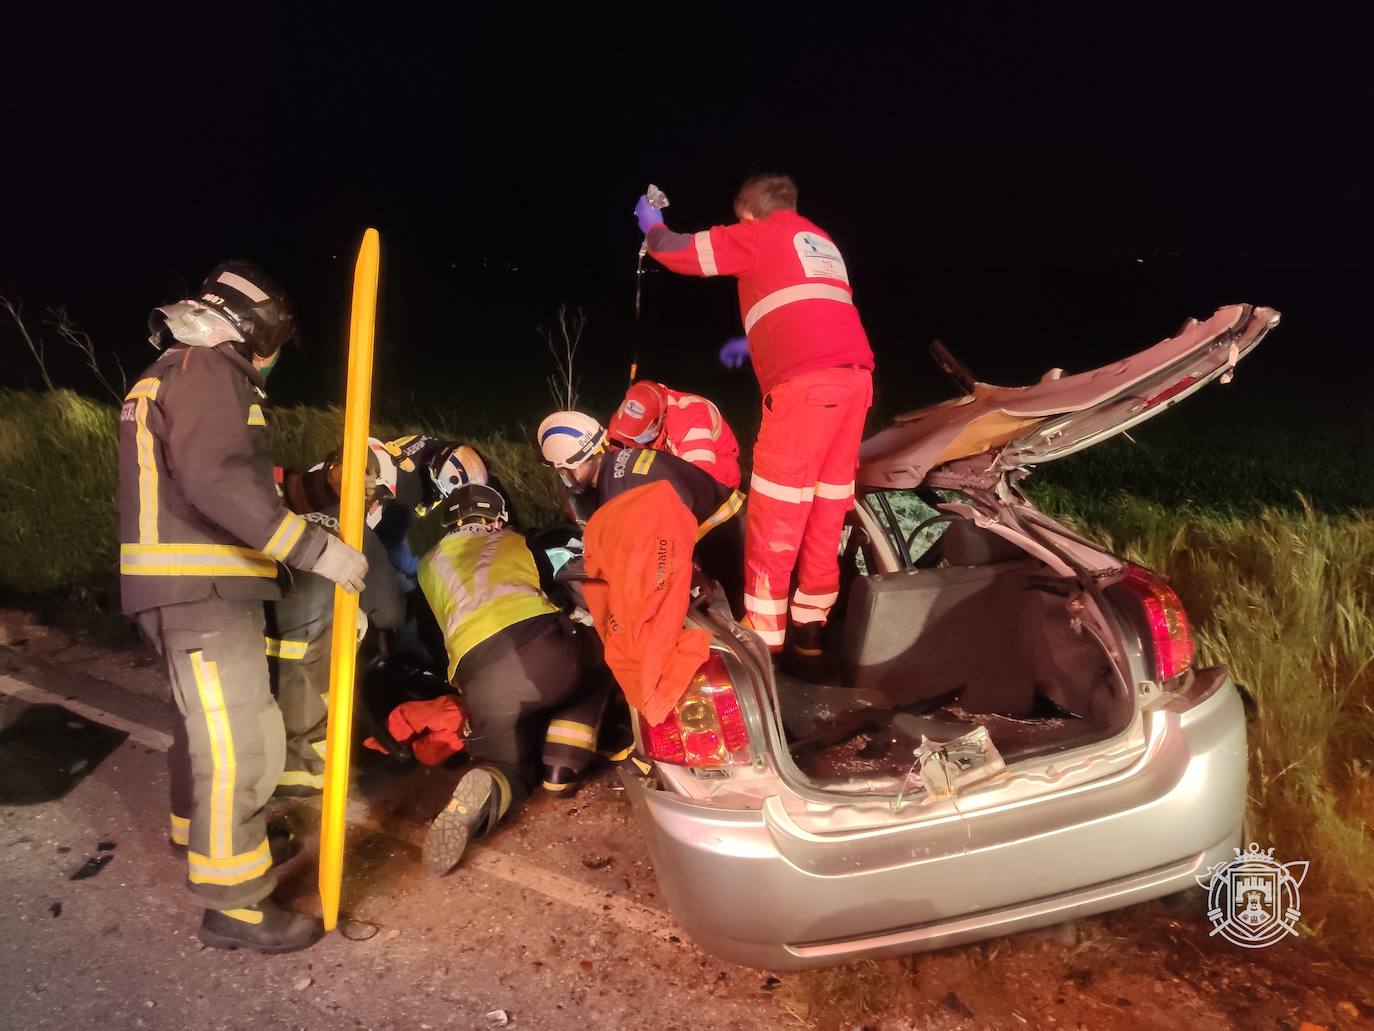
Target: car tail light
[[1171, 638], [706, 728], [1171, 390]]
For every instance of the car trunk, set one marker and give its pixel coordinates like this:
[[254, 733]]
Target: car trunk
[[987, 639]]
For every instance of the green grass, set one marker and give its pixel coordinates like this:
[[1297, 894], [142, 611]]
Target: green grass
[[1279, 588], [1285, 599]]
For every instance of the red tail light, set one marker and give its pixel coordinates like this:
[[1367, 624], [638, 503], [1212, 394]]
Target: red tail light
[[1171, 638], [707, 727]]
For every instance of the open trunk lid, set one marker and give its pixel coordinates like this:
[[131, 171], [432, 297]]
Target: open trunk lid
[[1060, 415]]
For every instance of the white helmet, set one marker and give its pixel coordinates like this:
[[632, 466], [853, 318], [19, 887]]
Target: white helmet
[[383, 477], [457, 466], [567, 439]]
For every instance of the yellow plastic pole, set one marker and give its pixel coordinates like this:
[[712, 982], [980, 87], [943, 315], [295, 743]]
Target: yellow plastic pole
[[344, 653]]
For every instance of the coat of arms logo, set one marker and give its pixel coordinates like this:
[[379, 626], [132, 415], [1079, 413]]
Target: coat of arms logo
[[1253, 899]]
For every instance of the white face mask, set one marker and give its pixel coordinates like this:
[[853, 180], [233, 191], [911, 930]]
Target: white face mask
[[648, 436]]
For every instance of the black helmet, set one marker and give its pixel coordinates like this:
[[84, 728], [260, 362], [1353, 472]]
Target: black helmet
[[475, 503], [252, 301]]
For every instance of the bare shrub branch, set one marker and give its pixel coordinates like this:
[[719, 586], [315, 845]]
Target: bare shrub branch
[[70, 333], [13, 310], [562, 339]]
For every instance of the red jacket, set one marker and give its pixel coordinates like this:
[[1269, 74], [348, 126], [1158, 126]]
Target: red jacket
[[692, 428], [794, 293]]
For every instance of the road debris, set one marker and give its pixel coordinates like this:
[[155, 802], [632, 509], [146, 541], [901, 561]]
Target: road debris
[[953, 1002], [497, 1018], [358, 930], [303, 983], [92, 866]]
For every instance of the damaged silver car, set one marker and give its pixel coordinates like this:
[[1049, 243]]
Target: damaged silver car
[[1014, 732]]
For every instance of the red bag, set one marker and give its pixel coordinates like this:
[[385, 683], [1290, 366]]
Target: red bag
[[434, 729]]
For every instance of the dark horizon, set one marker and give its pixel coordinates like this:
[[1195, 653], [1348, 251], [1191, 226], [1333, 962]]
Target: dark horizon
[[1037, 189]]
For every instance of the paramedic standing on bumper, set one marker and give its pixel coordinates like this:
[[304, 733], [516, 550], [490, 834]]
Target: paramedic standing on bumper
[[201, 532], [814, 367]]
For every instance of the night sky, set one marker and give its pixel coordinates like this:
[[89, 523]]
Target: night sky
[[1037, 189]]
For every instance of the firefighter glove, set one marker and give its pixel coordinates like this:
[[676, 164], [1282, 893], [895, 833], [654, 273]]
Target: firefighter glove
[[345, 565]]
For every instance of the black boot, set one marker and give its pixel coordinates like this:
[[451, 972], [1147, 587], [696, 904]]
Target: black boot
[[804, 655], [475, 805], [264, 927], [561, 780]]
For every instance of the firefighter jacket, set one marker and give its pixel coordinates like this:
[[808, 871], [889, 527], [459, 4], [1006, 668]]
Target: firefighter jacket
[[794, 293], [305, 612], [478, 584], [710, 502], [199, 513]]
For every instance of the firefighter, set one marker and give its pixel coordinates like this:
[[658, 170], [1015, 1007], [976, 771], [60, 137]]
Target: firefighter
[[520, 665], [687, 425], [202, 531], [814, 368], [423, 472], [299, 625], [576, 445]]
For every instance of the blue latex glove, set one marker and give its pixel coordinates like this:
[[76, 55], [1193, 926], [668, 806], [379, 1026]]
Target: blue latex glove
[[735, 352], [648, 216]]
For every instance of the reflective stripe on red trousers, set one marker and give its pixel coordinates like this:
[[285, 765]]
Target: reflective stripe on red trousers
[[801, 489]]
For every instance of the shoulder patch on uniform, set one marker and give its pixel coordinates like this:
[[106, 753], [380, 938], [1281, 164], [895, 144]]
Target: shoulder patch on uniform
[[255, 416], [642, 463]]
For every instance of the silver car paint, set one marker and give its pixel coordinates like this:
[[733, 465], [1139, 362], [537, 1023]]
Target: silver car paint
[[765, 869]]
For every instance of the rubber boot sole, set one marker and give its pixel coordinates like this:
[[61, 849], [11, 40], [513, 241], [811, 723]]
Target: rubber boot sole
[[448, 835], [212, 940]]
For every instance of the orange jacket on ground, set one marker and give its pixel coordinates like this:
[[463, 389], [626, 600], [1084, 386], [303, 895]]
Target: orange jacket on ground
[[640, 547]]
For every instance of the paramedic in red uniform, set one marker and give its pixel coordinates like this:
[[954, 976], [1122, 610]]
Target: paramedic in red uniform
[[655, 416], [815, 370]]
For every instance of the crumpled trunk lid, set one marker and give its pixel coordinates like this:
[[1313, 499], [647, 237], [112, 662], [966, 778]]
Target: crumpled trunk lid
[[1020, 426]]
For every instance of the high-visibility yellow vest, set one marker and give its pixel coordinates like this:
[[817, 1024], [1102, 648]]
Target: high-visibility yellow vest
[[478, 584]]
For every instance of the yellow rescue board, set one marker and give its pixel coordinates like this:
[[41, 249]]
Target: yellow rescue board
[[344, 654]]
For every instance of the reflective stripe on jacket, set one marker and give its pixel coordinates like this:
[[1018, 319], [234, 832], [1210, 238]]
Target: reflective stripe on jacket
[[478, 584], [199, 511]]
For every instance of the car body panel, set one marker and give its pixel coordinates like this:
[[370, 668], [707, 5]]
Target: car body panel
[[752, 886]]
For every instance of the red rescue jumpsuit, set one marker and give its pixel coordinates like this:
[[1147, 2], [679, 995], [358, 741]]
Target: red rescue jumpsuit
[[692, 428], [814, 367]]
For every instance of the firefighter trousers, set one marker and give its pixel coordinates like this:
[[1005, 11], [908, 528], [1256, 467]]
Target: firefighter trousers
[[300, 681], [800, 492], [530, 705], [228, 747]]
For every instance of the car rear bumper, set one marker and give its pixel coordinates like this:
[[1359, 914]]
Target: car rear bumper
[[754, 888]]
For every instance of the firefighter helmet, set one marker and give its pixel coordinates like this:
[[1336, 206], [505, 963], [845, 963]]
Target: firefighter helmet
[[250, 301], [476, 504], [567, 439], [457, 465]]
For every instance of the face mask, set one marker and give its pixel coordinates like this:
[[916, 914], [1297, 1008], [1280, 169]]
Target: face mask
[[647, 437], [266, 369]]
